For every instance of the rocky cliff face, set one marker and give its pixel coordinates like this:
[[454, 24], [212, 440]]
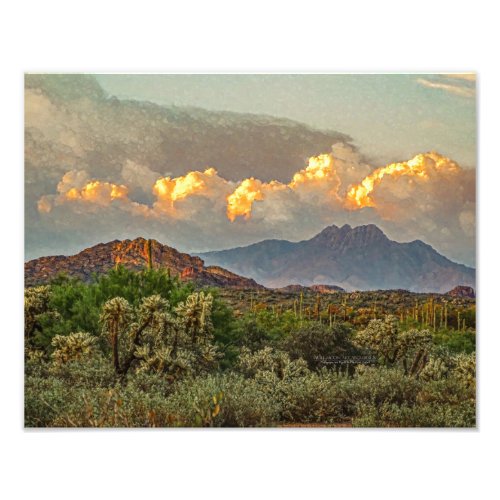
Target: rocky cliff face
[[137, 254]]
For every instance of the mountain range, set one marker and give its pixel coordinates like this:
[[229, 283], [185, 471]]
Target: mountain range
[[137, 254], [359, 258], [336, 259]]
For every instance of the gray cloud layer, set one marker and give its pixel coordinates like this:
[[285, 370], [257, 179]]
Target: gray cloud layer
[[75, 135]]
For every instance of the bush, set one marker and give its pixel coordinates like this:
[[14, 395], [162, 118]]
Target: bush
[[151, 359], [242, 402], [319, 344], [271, 361], [388, 398], [78, 305], [427, 415], [314, 398]]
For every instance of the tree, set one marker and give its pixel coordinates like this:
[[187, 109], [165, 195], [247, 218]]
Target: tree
[[79, 304]]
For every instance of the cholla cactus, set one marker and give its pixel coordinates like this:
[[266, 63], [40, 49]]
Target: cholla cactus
[[435, 369], [152, 339], [195, 316], [153, 319], [158, 360], [72, 347], [464, 368], [269, 361], [34, 355], [115, 317], [124, 334], [36, 302], [388, 341]]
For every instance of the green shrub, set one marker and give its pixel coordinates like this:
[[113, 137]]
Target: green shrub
[[388, 398], [151, 359], [314, 398], [319, 344], [243, 402], [426, 415]]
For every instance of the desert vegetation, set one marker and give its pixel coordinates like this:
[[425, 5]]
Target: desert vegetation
[[144, 349]]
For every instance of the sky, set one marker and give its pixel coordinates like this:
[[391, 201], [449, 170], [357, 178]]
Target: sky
[[389, 116], [207, 162]]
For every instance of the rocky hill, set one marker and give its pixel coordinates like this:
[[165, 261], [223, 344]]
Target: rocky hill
[[135, 254], [359, 258], [463, 291]]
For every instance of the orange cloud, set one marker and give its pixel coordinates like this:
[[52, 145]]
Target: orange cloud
[[420, 166], [99, 192], [170, 190], [318, 170], [427, 197], [239, 203], [75, 186], [318, 174]]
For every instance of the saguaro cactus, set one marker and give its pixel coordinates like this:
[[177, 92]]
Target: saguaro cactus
[[317, 307], [149, 254]]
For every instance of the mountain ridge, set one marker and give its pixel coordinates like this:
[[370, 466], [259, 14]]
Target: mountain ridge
[[359, 258], [136, 254], [337, 258]]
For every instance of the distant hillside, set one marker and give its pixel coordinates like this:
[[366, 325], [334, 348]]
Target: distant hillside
[[324, 289], [360, 258], [136, 255]]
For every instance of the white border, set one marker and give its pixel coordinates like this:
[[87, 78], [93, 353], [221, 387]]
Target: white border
[[258, 36]]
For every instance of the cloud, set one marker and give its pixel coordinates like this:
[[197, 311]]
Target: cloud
[[428, 197], [470, 77], [76, 186], [467, 219], [319, 180], [420, 167], [98, 169], [460, 90], [180, 197], [138, 176], [69, 125]]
